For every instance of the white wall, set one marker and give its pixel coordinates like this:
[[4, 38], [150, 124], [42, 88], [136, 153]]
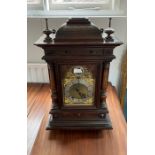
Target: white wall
[[36, 26]]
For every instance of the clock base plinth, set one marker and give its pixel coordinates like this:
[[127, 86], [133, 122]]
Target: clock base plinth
[[105, 123]]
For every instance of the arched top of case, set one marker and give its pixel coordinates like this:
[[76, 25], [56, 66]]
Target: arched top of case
[[77, 30]]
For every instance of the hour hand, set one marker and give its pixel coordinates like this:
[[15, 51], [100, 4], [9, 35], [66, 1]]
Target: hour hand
[[82, 95]]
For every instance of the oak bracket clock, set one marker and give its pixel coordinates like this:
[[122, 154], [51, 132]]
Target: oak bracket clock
[[78, 59]]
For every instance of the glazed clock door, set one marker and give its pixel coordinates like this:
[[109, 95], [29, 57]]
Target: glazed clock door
[[78, 83]]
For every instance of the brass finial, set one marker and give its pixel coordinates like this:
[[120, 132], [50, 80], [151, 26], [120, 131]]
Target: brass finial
[[109, 31], [110, 22], [47, 32]]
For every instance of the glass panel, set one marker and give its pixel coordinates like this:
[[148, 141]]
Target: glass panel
[[79, 1], [78, 86], [34, 5], [33, 1], [80, 4]]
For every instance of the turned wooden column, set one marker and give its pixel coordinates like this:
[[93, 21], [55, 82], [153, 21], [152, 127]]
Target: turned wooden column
[[104, 83], [52, 86]]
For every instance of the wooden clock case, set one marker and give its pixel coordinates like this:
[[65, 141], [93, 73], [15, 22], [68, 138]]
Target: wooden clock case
[[78, 42]]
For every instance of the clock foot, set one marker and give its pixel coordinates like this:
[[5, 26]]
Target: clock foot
[[105, 123]]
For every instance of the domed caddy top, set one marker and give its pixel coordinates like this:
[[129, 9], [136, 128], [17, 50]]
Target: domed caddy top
[[77, 30]]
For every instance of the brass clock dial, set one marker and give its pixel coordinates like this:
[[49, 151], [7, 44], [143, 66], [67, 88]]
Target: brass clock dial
[[78, 91], [79, 87]]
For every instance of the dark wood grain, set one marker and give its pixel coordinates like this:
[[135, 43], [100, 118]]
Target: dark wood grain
[[105, 142], [78, 42]]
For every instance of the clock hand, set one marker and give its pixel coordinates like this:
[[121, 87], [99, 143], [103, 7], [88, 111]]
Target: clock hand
[[82, 95], [77, 90]]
